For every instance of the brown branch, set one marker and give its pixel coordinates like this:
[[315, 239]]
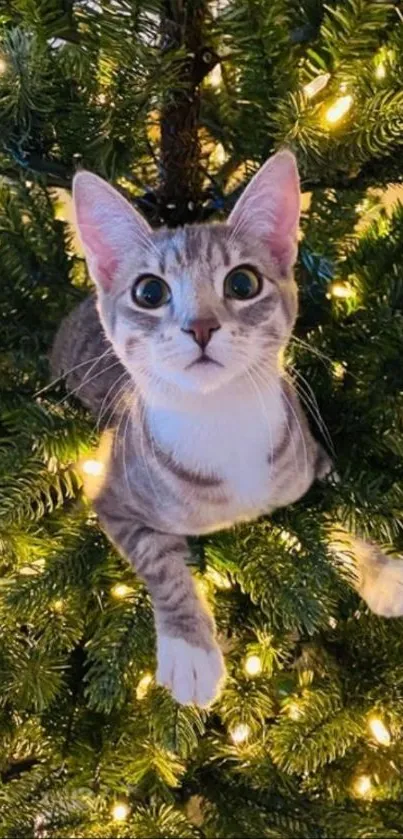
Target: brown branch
[[180, 193]]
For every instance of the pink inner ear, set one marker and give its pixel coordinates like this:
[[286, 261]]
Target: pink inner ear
[[269, 208], [284, 235], [102, 259], [109, 227]]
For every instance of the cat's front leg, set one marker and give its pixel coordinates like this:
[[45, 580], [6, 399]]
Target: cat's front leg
[[190, 662], [377, 578]]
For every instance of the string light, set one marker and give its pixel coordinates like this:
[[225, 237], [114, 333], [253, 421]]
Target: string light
[[58, 606], [379, 731], [215, 76], [253, 665], [219, 580], [120, 812], [341, 290], [380, 71], [93, 467], [143, 685], [120, 590], [339, 109], [362, 785], [219, 155], [294, 711], [316, 85], [290, 541], [240, 733]]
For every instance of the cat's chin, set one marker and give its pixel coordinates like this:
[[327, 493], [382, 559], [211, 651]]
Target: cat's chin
[[200, 379]]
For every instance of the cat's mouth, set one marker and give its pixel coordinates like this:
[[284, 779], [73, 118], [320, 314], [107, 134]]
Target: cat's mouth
[[205, 360]]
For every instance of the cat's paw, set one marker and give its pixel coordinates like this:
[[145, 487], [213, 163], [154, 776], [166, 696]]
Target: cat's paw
[[384, 594], [193, 675]]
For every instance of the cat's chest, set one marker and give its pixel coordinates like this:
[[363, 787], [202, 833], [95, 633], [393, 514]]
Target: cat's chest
[[232, 441]]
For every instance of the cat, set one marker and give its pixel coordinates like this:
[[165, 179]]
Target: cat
[[208, 430]]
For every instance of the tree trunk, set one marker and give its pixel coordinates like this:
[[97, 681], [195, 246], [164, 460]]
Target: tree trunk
[[180, 193]]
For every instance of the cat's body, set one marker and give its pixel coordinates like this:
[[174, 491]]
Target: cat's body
[[214, 463], [207, 429]]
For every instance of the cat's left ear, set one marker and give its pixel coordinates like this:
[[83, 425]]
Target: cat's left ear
[[269, 208]]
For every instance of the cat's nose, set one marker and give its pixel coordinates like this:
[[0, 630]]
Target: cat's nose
[[202, 329]]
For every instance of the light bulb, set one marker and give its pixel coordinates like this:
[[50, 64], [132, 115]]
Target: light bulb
[[316, 85], [101, 98], [362, 785], [339, 109], [240, 733], [120, 590], [215, 76], [218, 579], [253, 665], [379, 731], [58, 606], [143, 685], [290, 541], [294, 711], [339, 372], [380, 71], [93, 467], [219, 155], [342, 290], [120, 812]]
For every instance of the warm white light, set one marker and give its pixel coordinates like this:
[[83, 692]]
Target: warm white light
[[379, 731], [101, 98], [240, 733], [219, 155], [215, 76], [218, 579], [290, 541], [316, 85], [380, 71], [143, 685], [362, 785], [339, 372], [253, 665], [93, 467], [120, 590], [339, 109], [342, 290], [120, 812], [58, 606], [294, 711]]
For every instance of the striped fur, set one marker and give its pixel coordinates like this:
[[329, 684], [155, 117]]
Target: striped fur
[[194, 447]]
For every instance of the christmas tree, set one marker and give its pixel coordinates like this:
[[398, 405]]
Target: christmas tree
[[178, 103]]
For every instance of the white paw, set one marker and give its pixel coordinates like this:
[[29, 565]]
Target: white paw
[[384, 595], [193, 675]]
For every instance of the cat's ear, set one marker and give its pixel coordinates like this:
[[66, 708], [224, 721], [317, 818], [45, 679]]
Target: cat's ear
[[108, 227], [269, 208]]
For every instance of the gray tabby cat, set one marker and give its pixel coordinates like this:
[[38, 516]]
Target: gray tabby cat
[[208, 430]]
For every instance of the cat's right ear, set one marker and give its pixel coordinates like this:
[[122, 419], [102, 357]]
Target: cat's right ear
[[108, 227]]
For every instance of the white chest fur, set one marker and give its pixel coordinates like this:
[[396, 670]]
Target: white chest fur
[[229, 434]]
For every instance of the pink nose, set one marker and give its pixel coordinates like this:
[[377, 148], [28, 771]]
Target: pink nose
[[202, 329]]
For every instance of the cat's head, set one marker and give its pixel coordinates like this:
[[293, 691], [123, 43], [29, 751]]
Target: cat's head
[[201, 305]]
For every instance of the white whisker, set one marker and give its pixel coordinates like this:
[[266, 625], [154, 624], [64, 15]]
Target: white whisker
[[104, 404], [87, 381], [72, 369]]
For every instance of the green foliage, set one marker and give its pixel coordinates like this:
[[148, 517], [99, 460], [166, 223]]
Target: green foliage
[[83, 726]]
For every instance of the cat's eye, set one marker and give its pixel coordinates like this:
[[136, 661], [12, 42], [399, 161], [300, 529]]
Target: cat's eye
[[151, 292], [242, 283]]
